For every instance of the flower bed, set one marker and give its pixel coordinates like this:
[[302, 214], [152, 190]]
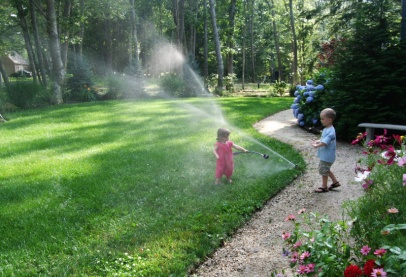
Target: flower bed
[[370, 243]]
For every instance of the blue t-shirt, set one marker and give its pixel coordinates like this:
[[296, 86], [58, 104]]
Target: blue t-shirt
[[328, 152]]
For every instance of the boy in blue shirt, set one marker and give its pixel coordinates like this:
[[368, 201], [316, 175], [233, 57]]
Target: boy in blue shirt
[[326, 150]]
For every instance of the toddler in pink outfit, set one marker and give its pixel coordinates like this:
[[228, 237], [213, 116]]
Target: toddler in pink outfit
[[224, 155]]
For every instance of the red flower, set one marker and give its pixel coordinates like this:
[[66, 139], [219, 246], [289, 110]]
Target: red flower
[[368, 267], [353, 271]]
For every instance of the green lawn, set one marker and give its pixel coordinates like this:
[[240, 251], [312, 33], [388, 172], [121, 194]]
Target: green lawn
[[122, 188]]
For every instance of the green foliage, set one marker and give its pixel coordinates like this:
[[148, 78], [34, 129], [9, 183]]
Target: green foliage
[[317, 245], [172, 84], [384, 190], [229, 81], [280, 87], [26, 94], [368, 86], [116, 188], [80, 87]]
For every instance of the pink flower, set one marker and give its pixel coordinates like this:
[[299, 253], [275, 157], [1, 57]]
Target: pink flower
[[285, 235], [379, 140], [402, 161], [290, 217], [378, 272], [294, 257], [310, 268], [297, 244], [365, 250], [301, 211], [305, 255], [302, 269], [380, 252], [404, 179], [367, 184], [393, 211]]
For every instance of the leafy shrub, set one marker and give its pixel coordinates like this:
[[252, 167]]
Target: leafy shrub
[[26, 94], [172, 84], [280, 87], [382, 174], [80, 87]]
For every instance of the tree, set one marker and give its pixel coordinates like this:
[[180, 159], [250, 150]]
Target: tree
[[58, 70], [403, 22], [220, 66]]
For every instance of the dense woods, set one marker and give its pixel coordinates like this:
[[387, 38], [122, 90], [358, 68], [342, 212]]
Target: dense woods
[[249, 40]]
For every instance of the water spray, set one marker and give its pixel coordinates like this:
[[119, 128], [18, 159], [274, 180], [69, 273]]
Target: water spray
[[265, 156]]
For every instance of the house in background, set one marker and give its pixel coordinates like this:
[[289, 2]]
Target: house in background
[[13, 62]]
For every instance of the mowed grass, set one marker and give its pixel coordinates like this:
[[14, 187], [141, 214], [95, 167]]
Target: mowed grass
[[126, 188]]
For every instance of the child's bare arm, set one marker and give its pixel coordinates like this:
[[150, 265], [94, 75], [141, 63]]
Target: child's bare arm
[[215, 151], [239, 148]]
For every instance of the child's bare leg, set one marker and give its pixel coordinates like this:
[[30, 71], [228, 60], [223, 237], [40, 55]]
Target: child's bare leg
[[217, 182], [332, 177], [324, 179]]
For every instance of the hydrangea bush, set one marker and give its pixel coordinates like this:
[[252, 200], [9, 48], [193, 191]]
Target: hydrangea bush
[[307, 104]]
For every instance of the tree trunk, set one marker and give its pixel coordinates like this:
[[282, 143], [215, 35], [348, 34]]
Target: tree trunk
[[403, 22], [230, 54], [220, 66], [252, 41], [276, 39], [64, 31], [3, 73], [134, 37], [57, 72], [294, 43], [244, 34], [38, 46], [82, 29], [27, 40], [205, 46]]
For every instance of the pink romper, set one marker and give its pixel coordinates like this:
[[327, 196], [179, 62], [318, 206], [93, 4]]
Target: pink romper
[[225, 162]]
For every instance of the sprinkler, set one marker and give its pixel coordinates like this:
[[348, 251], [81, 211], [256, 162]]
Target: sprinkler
[[265, 156]]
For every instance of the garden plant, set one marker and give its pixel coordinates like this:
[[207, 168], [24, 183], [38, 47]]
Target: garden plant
[[371, 239]]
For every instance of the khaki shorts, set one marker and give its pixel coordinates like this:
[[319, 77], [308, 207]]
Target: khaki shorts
[[324, 168]]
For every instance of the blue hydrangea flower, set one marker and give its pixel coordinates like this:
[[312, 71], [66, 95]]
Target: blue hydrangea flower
[[302, 123], [309, 87], [312, 93], [319, 87], [296, 113], [314, 121], [309, 82], [294, 106], [309, 99], [306, 93], [296, 100], [296, 93], [300, 116]]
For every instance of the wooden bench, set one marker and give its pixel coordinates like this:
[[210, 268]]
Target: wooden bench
[[370, 128]]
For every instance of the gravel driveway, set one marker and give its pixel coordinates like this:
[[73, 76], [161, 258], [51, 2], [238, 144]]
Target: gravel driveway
[[256, 248]]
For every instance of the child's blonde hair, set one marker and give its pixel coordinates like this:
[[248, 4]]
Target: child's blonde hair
[[222, 133], [330, 113]]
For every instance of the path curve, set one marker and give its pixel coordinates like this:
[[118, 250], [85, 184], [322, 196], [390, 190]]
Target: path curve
[[255, 250]]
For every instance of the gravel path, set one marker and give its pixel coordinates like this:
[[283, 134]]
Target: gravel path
[[256, 248]]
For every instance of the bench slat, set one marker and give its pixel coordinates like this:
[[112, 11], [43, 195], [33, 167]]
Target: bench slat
[[370, 128]]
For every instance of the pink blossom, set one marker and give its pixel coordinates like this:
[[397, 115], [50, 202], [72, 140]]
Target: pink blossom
[[367, 184], [404, 179], [302, 270], [297, 244], [305, 255], [365, 250], [380, 252], [290, 217], [377, 272], [301, 211], [402, 161], [285, 235], [310, 268], [393, 211]]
